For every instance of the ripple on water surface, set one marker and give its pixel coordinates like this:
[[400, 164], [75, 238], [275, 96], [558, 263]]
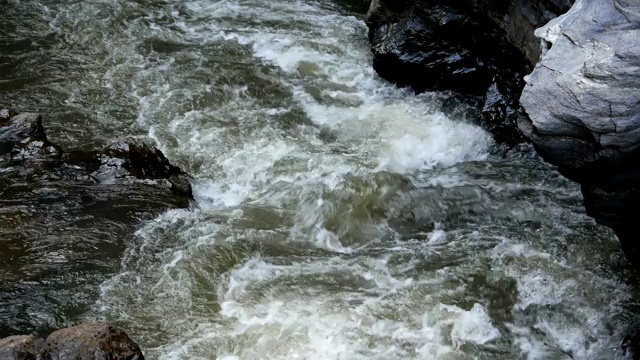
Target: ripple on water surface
[[339, 217]]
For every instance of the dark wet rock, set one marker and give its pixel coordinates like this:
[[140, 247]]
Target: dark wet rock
[[520, 18], [501, 108], [583, 107], [631, 344], [434, 46], [18, 348], [133, 161], [480, 48], [126, 162], [56, 207], [90, 342]]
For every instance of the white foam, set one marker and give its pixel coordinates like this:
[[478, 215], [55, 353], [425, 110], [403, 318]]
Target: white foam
[[328, 300], [474, 326]]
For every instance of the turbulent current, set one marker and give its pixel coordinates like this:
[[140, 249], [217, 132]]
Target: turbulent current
[[337, 216]]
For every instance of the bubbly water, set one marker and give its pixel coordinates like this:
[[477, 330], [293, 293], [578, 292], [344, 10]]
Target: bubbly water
[[337, 216]]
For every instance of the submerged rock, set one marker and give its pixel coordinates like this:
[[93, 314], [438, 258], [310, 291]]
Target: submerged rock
[[90, 342], [18, 348], [133, 161], [480, 48], [583, 107]]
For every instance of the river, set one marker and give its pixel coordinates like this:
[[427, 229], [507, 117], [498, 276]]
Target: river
[[337, 217]]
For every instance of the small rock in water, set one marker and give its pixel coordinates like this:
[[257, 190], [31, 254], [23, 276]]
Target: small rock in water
[[133, 161], [96, 341]]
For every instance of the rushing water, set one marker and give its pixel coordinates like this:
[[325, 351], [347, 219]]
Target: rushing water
[[338, 217]]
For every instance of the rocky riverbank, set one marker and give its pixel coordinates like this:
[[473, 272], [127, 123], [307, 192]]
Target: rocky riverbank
[[87, 342], [475, 48], [580, 106], [56, 207]]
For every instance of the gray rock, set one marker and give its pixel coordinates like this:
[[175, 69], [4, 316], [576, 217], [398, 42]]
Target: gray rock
[[6, 114], [583, 98], [583, 107], [90, 342], [18, 348]]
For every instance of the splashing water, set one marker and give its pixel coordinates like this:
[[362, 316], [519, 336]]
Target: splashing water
[[338, 216]]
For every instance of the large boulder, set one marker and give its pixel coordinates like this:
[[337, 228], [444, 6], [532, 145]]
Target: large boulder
[[18, 348], [582, 103], [90, 342], [480, 48], [436, 45]]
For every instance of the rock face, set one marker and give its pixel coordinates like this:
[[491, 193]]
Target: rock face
[[96, 341], [519, 19], [90, 342], [479, 48], [583, 107]]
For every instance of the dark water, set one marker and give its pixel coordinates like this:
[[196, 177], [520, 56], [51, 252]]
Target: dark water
[[339, 217]]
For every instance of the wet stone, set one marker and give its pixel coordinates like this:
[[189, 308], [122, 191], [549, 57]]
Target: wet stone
[[18, 348], [6, 114], [90, 342], [20, 127], [132, 161]]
